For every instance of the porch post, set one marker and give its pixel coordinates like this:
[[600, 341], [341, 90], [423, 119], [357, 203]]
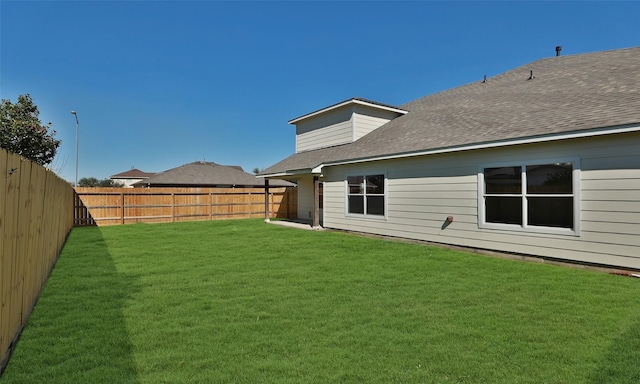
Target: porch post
[[316, 202], [266, 201]]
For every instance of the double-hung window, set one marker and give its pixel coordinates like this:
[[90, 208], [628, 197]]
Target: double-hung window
[[536, 197], [366, 195]]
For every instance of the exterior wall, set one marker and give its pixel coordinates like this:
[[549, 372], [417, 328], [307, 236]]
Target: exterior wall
[[367, 119], [423, 191], [305, 198], [325, 130], [342, 126]]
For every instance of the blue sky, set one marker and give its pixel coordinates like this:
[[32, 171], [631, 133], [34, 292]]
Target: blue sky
[[158, 84]]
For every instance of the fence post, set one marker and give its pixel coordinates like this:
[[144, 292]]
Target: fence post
[[266, 201], [76, 214], [122, 208], [173, 207], [272, 203], [210, 205]]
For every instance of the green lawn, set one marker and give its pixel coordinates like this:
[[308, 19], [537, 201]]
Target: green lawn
[[245, 302]]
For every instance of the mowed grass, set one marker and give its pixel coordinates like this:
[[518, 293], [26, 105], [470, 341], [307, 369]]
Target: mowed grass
[[246, 302]]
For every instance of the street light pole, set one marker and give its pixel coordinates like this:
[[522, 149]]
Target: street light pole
[[74, 113]]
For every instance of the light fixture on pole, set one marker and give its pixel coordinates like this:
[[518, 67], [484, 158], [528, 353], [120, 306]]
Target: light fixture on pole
[[74, 113]]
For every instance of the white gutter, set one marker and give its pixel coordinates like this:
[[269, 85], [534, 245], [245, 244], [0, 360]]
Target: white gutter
[[292, 173], [271, 175]]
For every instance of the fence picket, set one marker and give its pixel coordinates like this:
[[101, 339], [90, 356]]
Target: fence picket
[[36, 215], [132, 205]]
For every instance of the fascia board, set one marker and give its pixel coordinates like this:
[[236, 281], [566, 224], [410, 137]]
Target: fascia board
[[383, 107], [345, 103], [288, 173], [268, 175]]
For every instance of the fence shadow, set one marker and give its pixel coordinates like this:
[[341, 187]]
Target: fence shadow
[[287, 206], [81, 214], [77, 331]]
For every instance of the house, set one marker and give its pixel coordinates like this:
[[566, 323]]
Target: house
[[207, 174], [541, 160], [130, 177]]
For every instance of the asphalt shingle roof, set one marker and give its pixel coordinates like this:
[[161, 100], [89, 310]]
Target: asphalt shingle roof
[[133, 173], [566, 94], [202, 174]]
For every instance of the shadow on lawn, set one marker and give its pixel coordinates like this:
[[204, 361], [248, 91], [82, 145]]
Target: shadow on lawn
[[621, 363], [77, 332]]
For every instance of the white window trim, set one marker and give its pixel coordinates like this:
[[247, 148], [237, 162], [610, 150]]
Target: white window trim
[[575, 176], [365, 215]]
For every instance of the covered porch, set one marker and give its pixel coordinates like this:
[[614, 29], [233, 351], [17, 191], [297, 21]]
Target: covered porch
[[310, 199]]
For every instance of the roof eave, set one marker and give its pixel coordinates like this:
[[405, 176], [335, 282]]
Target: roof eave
[[291, 173], [493, 144]]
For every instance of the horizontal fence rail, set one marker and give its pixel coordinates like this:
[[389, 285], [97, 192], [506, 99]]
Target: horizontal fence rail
[[112, 206], [35, 219]]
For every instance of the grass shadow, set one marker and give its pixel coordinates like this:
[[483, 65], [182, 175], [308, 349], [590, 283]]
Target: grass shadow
[[621, 363], [241, 301], [77, 329]]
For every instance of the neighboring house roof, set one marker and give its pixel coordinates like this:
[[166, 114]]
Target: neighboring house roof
[[133, 173], [207, 174], [543, 100]]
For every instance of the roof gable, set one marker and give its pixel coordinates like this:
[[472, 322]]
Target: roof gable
[[352, 101], [341, 123]]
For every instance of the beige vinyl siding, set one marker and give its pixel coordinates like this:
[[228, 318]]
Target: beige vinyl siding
[[341, 126], [367, 119], [305, 198], [325, 130], [423, 191]]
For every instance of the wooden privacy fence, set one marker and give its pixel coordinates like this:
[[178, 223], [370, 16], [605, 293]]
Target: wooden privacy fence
[[109, 206], [35, 219]]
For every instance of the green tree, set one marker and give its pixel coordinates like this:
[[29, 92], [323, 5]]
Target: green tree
[[22, 132], [93, 182]]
